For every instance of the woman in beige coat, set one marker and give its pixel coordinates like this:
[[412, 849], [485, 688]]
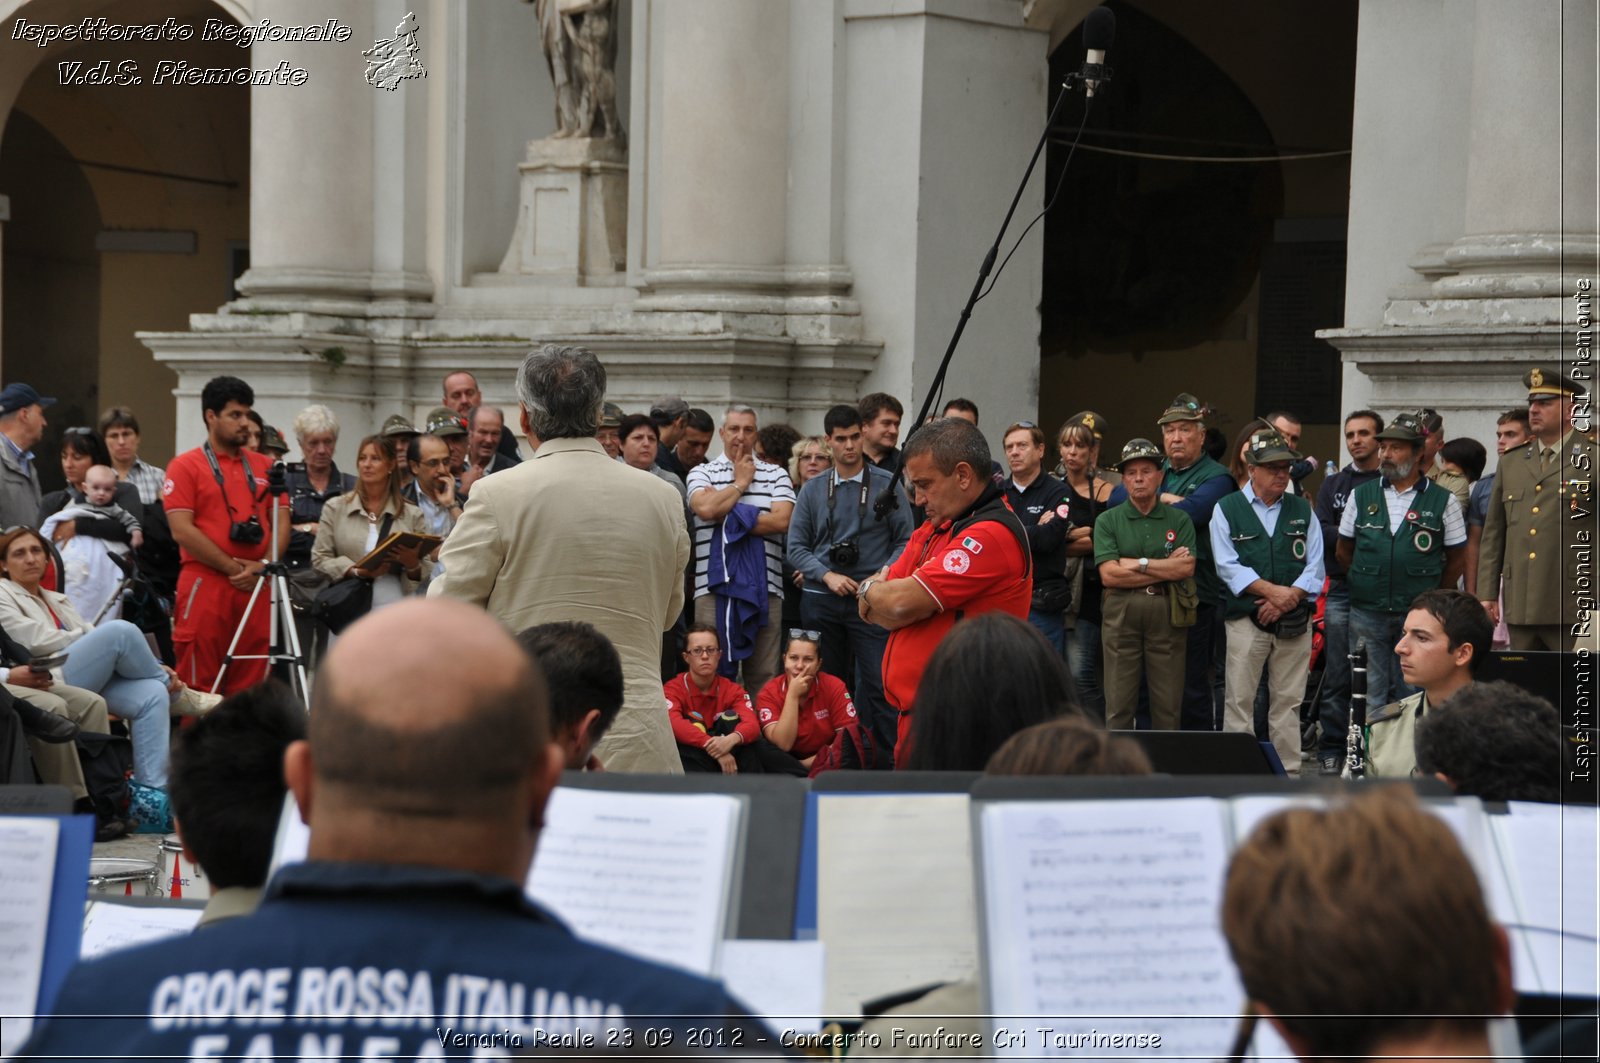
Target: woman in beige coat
[[350, 525]]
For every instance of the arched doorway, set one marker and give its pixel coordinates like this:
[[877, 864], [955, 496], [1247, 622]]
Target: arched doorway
[[52, 275], [1167, 272], [142, 188]]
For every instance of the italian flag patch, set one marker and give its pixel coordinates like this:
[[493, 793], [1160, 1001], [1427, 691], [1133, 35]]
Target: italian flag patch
[[972, 544]]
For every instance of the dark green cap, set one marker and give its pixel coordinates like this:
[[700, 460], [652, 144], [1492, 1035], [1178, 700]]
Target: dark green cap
[[1545, 383], [1094, 422], [1405, 428], [272, 439], [1139, 450], [399, 424], [1268, 445], [444, 422], [1183, 408]]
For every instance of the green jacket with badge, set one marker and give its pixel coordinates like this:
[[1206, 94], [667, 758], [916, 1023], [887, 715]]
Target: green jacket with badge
[[1185, 484], [1279, 558], [1539, 532], [1388, 570]]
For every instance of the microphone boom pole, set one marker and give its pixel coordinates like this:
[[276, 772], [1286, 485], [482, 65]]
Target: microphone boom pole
[[1091, 76]]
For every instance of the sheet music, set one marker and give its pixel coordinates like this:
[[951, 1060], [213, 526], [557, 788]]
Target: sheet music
[[779, 980], [650, 874], [110, 927], [27, 878], [293, 839], [1109, 908], [895, 903], [1549, 852]]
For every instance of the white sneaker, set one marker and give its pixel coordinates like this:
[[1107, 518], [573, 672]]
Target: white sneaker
[[192, 702]]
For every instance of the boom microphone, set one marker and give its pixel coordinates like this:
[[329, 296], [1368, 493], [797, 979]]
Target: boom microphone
[[1099, 30]]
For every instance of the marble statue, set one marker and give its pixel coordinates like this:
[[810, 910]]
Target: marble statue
[[579, 38]]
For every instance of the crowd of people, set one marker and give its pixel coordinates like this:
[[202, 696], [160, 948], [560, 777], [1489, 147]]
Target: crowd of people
[[795, 604], [783, 605]]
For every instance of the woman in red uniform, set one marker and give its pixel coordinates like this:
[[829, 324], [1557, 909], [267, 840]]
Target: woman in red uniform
[[803, 708]]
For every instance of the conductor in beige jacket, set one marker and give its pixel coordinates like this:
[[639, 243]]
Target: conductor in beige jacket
[[574, 535]]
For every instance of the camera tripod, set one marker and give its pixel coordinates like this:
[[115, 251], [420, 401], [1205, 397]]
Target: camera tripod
[[283, 641]]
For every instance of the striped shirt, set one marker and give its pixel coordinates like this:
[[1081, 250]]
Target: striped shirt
[[770, 485]]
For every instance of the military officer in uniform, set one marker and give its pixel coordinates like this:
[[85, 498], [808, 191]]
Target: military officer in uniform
[[1540, 523], [1400, 535]]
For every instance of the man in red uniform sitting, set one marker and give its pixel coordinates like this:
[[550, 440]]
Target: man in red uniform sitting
[[712, 719], [969, 557], [802, 709], [217, 503]]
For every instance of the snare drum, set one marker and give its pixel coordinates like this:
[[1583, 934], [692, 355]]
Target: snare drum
[[106, 873], [181, 876]]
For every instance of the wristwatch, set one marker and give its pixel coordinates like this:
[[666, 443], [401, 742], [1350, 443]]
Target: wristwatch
[[861, 590], [1144, 565]]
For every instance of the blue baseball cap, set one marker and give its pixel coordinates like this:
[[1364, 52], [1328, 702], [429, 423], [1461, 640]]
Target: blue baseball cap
[[20, 396]]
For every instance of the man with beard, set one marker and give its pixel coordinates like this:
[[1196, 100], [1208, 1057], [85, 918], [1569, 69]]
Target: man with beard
[[1400, 535]]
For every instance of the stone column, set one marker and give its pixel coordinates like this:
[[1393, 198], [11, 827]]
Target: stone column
[[1474, 166], [946, 104], [338, 222], [736, 156]]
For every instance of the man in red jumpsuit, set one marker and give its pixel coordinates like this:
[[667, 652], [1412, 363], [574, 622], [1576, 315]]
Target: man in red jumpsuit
[[969, 557], [217, 503]]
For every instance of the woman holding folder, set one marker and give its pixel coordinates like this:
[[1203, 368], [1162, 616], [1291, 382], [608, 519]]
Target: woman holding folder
[[357, 522]]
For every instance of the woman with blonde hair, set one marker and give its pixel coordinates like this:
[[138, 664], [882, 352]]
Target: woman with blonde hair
[[810, 456]]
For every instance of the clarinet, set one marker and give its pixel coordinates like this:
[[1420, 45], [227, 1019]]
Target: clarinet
[[1355, 746]]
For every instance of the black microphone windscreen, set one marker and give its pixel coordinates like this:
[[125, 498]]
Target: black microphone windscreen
[[1099, 30]]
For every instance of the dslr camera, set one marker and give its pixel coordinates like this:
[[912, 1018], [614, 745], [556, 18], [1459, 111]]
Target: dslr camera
[[846, 552], [249, 532]]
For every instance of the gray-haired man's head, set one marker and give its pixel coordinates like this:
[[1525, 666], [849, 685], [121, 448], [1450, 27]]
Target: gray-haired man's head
[[560, 389]]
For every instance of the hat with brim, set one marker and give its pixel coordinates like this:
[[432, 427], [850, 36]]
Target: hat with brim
[[399, 425], [610, 415], [1183, 408], [1545, 383], [445, 422], [20, 396], [1404, 428], [272, 440], [1139, 450], [1267, 446]]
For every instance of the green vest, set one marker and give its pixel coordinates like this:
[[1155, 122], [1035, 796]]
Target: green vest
[[1389, 570], [1278, 559], [1212, 592]]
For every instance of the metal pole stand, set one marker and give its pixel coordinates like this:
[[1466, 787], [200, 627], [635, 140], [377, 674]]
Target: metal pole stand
[[283, 641]]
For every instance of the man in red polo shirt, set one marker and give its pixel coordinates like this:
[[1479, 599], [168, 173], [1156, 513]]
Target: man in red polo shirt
[[969, 557], [217, 503]]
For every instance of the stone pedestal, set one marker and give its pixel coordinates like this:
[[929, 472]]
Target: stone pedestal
[[572, 219]]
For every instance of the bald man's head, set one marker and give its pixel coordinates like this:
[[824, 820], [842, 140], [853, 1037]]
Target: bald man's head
[[427, 708]]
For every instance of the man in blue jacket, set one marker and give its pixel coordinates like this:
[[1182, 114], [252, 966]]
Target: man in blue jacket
[[406, 932]]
